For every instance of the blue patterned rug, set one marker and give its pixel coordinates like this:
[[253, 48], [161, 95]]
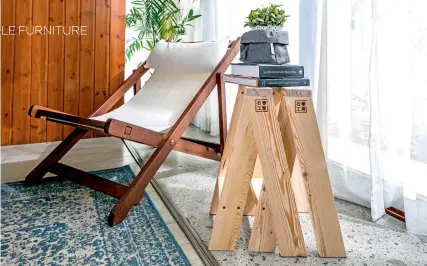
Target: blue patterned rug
[[61, 223]]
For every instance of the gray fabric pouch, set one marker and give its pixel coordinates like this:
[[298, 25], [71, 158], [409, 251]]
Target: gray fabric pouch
[[264, 47]]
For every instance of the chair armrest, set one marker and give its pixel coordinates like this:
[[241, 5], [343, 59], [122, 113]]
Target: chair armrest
[[64, 118]]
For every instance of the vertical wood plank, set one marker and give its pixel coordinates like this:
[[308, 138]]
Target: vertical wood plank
[[72, 58], [225, 160], [7, 70], [272, 155], [137, 86], [291, 157], [227, 151], [39, 66], [47, 67], [312, 160], [222, 111], [263, 238], [117, 45], [87, 59], [236, 186], [102, 54], [22, 79], [55, 68]]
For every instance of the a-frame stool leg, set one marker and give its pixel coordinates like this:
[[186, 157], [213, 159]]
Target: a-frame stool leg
[[291, 157], [317, 183], [263, 238], [225, 160], [272, 155], [236, 186]]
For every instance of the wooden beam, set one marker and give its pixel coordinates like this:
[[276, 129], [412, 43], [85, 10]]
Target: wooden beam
[[263, 238], [291, 157], [56, 57], [87, 60], [131, 132], [236, 186], [103, 185], [71, 63], [318, 187], [35, 108], [102, 54], [212, 145], [137, 86], [398, 214], [277, 178], [197, 150], [152, 138], [39, 68], [222, 111], [8, 43], [117, 46], [225, 161], [22, 79], [68, 119]]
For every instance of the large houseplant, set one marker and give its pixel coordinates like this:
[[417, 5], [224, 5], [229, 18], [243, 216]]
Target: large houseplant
[[266, 42], [156, 20]]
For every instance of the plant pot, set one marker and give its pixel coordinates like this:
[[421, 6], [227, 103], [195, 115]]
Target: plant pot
[[264, 46]]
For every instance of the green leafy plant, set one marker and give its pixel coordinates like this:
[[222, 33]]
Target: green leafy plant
[[271, 16], [156, 20]]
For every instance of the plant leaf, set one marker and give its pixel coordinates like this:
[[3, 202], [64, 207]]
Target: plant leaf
[[154, 20]]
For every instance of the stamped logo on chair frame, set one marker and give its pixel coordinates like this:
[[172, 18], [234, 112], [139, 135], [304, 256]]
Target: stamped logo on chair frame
[[261, 105], [128, 130]]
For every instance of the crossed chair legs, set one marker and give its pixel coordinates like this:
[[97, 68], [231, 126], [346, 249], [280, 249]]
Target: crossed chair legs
[[127, 195]]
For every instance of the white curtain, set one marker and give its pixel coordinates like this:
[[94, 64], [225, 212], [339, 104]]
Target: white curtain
[[376, 102]]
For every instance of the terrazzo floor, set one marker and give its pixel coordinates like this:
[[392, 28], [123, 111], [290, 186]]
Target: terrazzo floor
[[189, 181]]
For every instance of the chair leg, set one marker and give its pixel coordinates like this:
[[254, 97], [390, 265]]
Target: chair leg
[[321, 201], [292, 159], [232, 201], [38, 172], [280, 196], [225, 160], [263, 238], [222, 111], [135, 192]]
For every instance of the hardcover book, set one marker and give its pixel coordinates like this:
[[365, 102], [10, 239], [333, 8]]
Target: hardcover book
[[267, 71], [262, 82]]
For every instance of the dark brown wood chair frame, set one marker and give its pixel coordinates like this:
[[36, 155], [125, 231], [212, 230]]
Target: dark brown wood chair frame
[[132, 194]]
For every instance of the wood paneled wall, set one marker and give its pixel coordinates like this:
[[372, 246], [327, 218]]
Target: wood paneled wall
[[73, 73]]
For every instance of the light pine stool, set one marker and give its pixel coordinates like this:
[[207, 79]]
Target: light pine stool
[[273, 166]]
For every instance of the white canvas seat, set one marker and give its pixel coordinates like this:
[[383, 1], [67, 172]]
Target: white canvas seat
[[180, 71], [160, 102]]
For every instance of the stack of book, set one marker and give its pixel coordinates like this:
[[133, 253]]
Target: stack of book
[[263, 75]]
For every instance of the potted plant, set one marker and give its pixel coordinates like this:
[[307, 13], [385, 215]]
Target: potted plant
[[266, 42], [156, 20]]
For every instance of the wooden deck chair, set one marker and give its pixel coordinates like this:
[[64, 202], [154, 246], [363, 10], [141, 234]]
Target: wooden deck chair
[[185, 75]]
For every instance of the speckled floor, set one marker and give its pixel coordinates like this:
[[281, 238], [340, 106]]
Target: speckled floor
[[190, 181]]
